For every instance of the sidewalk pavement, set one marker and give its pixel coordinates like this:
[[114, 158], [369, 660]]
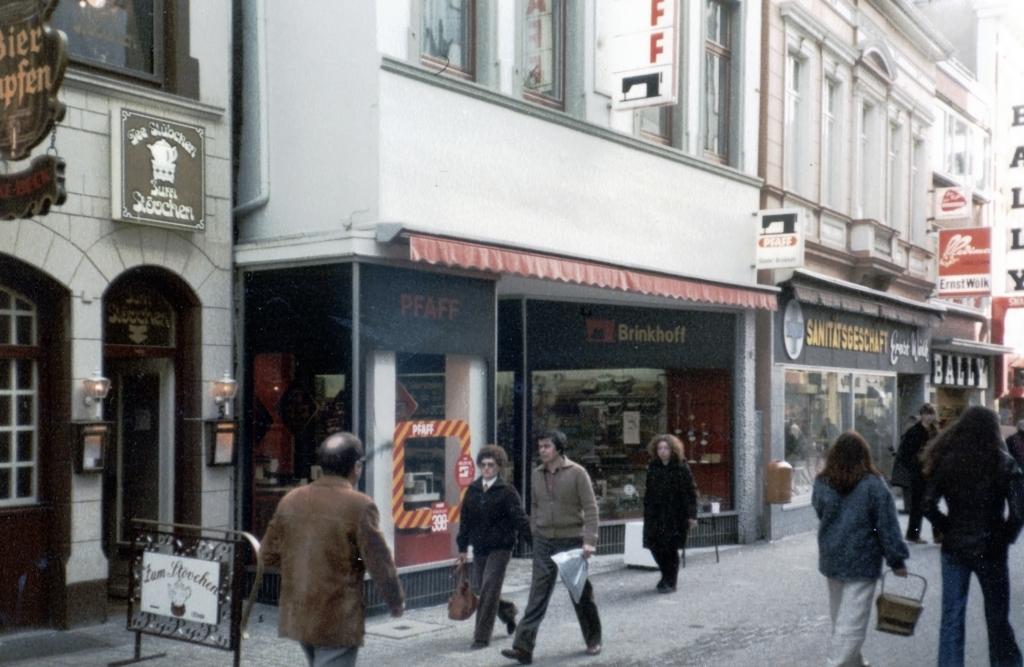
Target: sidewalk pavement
[[763, 604]]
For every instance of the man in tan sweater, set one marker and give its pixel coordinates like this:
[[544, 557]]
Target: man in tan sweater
[[563, 516]]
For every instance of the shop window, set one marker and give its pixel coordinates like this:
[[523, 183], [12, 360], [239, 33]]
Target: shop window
[[19, 398], [817, 411], [874, 409], [448, 37], [543, 52]]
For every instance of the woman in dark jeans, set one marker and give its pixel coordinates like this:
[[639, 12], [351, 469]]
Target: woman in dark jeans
[[670, 507], [968, 466], [492, 516]]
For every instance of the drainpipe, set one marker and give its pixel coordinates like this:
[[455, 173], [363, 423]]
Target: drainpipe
[[263, 196]]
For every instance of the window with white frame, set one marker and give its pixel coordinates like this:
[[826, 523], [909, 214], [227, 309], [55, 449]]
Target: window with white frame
[[956, 160], [795, 154], [448, 36], [717, 79], [655, 124], [870, 146], [19, 399], [919, 190], [543, 52], [831, 151], [897, 186]]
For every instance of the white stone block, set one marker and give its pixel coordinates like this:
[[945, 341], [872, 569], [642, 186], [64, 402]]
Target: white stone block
[[98, 123], [59, 223], [88, 282], [178, 252], [217, 508], [86, 521], [216, 290], [86, 488], [33, 242], [128, 241], [87, 357], [106, 257], [197, 269], [87, 562], [9, 233], [101, 207], [217, 479], [62, 260], [87, 319], [154, 246], [216, 324], [98, 103]]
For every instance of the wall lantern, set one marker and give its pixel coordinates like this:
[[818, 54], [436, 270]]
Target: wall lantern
[[91, 439], [223, 392], [94, 390], [220, 438]]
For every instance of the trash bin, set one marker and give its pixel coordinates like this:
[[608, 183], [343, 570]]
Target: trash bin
[[779, 483]]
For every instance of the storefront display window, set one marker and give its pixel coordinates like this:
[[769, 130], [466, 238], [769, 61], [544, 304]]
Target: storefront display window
[[817, 410], [820, 406], [874, 409]]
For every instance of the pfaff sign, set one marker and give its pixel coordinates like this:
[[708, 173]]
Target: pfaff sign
[[955, 370], [33, 58], [965, 262], [637, 48], [780, 241]]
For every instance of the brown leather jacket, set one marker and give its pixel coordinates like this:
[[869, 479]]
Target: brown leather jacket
[[324, 537]]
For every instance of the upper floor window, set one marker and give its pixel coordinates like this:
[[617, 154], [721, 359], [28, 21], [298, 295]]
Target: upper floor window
[[543, 51], [19, 399], [832, 154], [897, 214], [919, 180], [796, 153], [124, 36], [871, 165], [448, 35], [655, 124], [717, 65], [957, 155]]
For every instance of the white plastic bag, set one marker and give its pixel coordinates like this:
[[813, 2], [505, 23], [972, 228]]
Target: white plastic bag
[[572, 568]]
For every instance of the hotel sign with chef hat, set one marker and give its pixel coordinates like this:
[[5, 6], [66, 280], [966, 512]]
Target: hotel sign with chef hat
[[158, 169]]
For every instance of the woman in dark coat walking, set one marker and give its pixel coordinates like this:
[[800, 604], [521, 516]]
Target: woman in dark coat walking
[[670, 507], [492, 516], [968, 466], [908, 474]]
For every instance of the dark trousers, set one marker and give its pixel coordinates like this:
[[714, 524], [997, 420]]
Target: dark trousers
[[995, 587], [488, 576], [667, 558], [545, 576], [914, 504]]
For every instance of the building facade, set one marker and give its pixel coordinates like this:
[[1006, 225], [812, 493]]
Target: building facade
[[129, 280], [847, 116], [502, 249]]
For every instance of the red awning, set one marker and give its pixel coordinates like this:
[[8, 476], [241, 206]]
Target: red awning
[[467, 255]]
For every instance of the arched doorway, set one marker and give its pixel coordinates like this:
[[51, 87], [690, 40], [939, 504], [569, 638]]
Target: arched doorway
[[34, 432], [151, 355]]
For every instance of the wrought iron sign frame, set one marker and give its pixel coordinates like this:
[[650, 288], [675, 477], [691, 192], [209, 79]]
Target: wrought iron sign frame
[[223, 546]]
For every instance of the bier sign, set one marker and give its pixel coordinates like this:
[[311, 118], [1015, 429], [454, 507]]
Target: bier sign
[[33, 57]]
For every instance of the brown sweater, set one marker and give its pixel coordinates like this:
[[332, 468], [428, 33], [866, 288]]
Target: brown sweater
[[571, 511]]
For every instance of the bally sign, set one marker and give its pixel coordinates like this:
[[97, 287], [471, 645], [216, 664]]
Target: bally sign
[[957, 370], [965, 261], [1013, 260], [636, 57]]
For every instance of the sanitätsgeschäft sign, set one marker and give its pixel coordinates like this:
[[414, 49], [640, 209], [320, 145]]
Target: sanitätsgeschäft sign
[[159, 171]]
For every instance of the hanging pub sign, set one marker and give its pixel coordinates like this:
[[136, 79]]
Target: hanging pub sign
[[965, 261], [33, 57], [33, 191], [158, 169]]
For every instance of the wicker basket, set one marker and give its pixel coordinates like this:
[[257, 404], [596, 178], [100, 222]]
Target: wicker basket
[[898, 614]]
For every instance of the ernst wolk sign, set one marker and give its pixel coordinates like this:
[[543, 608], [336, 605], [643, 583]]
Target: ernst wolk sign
[[780, 241], [965, 261], [158, 167], [636, 59]]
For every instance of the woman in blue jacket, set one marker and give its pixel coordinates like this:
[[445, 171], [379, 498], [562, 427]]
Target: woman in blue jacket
[[859, 529]]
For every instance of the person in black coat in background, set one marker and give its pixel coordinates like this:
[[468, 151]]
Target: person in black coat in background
[[670, 507], [907, 471], [492, 516]]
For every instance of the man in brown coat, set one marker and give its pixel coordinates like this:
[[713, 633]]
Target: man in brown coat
[[324, 536]]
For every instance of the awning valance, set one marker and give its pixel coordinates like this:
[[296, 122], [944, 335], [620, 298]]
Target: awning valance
[[495, 259], [817, 289], [964, 346]]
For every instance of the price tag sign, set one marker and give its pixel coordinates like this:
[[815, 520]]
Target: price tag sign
[[465, 471], [439, 518]]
